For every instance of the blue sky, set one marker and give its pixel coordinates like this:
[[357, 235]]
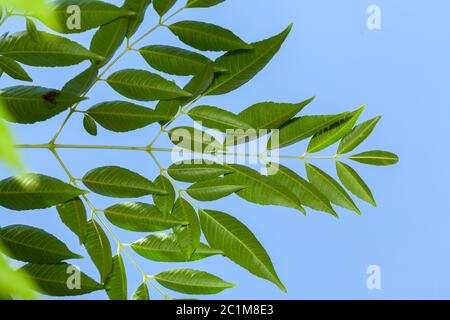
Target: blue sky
[[401, 72]]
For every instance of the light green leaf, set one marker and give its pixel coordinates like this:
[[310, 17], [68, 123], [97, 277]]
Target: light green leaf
[[202, 3], [165, 248], [216, 118], [28, 104], [50, 51], [13, 69], [261, 189], [353, 182], [118, 182], [99, 249], [195, 172], [82, 82], [8, 153], [31, 191], [195, 140], [308, 195], [121, 116], [271, 115], [140, 7], [243, 65], [108, 39], [37, 7], [173, 60], [333, 134], [357, 136], [141, 217], [330, 188], [212, 190], [190, 281], [207, 37], [89, 125], [164, 202], [188, 236], [141, 293], [238, 243], [32, 30], [304, 127], [88, 14], [116, 283], [376, 158], [53, 279], [73, 215], [144, 86], [29, 244], [163, 6]]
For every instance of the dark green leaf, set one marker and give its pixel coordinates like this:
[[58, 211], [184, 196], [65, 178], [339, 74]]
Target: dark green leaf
[[141, 217], [73, 215], [207, 37], [116, 283], [144, 86], [31, 191], [118, 182], [162, 6], [99, 249], [13, 69], [140, 7], [32, 30], [188, 236], [167, 108], [82, 82], [30, 244], [164, 202], [195, 140], [199, 84], [238, 243], [354, 183], [357, 136], [243, 65], [376, 158], [192, 281], [89, 125], [195, 172]]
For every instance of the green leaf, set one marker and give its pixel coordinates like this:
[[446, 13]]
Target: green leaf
[[164, 202], [163, 6], [108, 39], [99, 249], [29, 244], [116, 284], [28, 104], [238, 243], [90, 14], [188, 236], [121, 116], [212, 190], [353, 182], [144, 86], [31, 191], [141, 293], [89, 125], [13, 69], [53, 280], [376, 158], [271, 115], [333, 134], [50, 51], [167, 108], [243, 65], [357, 136], [195, 140], [195, 172], [165, 248], [8, 153], [216, 118], [173, 60], [37, 7], [307, 193], [32, 30], [199, 84], [207, 37], [202, 3], [118, 182], [82, 82], [304, 127], [141, 217], [330, 188], [73, 215], [261, 189], [140, 7], [190, 281]]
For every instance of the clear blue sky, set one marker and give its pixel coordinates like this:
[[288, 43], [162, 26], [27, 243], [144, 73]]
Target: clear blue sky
[[401, 72]]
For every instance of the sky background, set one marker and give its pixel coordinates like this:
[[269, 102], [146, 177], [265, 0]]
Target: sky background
[[401, 72]]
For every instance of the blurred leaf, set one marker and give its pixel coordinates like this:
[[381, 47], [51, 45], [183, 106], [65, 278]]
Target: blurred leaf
[[8, 153]]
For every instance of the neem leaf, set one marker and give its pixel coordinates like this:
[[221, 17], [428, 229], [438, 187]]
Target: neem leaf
[[141, 293], [211, 190], [162, 6], [376, 158], [216, 118], [82, 82], [13, 69], [194, 172], [188, 236], [73, 215], [99, 249], [354, 183], [90, 125], [140, 7], [357, 136], [116, 283], [164, 202]]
